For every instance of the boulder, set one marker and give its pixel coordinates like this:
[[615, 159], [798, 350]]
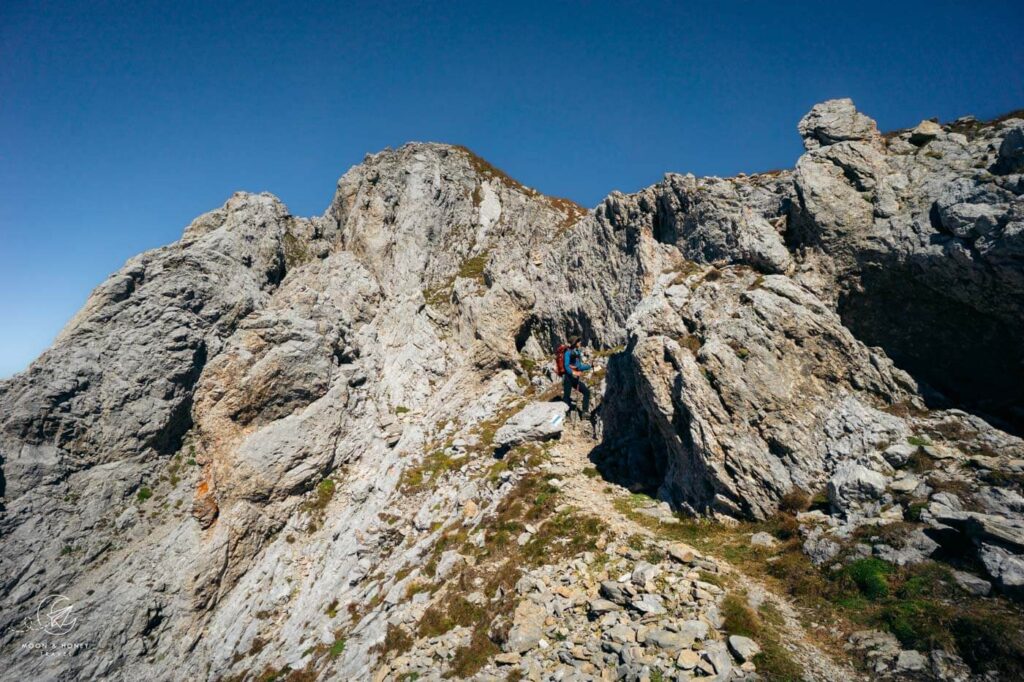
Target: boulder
[[910, 661], [527, 627], [972, 584], [648, 604], [762, 539], [743, 648], [667, 640], [643, 573], [925, 132], [535, 422], [854, 487], [598, 607], [836, 120], [613, 591], [898, 454], [1011, 150], [905, 484], [1006, 568]]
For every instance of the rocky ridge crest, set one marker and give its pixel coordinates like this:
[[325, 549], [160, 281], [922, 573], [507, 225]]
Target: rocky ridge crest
[[257, 442]]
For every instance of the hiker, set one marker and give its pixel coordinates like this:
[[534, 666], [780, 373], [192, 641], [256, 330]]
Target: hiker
[[570, 366]]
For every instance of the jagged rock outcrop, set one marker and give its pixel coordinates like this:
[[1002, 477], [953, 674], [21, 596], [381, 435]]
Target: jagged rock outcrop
[[251, 448], [752, 382], [916, 240]]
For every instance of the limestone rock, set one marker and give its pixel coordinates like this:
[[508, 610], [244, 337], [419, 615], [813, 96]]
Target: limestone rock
[[854, 486], [743, 648], [836, 120], [535, 422], [527, 627], [274, 409], [924, 132]]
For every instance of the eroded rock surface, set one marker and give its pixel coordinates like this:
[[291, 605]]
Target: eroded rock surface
[[253, 450]]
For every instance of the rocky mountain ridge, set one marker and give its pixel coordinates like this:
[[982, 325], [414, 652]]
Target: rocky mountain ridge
[[303, 448]]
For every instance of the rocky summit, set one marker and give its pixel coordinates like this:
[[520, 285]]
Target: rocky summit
[[334, 448]]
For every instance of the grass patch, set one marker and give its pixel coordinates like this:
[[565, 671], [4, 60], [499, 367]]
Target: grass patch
[[433, 466], [337, 648], [143, 494], [395, 643], [456, 611], [499, 563], [920, 604], [774, 662], [296, 251], [473, 268], [712, 275], [689, 342], [468, 660], [920, 462], [795, 501], [324, 494]]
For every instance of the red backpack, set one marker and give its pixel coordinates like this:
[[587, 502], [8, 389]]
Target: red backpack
[[560, 359]]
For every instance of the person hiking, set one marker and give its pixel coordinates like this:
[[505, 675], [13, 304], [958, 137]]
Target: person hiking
[[570, 365]]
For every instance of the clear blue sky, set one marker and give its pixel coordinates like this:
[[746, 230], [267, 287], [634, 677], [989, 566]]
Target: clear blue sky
[[121, 121]]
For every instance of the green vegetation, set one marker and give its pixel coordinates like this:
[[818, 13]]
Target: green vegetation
[[712, 275], [918, 441], [401, 409], [473, 268], [337, 648], [869, 576], [469, 659], [396, 641], [685, 269], [456, 611], [920, 462], [774, 662], [485, 169], [497, 565], [295, 251], [690, 342], [324, 493], [795, 501], [143, 494], [433, 465], [317, 504], [920, 604]]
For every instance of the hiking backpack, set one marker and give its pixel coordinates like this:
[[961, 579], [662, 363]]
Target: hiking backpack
[[560, 360]]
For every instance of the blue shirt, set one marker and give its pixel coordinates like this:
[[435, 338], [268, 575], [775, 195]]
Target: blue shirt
[[573, 361]]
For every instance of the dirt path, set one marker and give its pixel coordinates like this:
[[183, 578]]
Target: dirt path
[[593, 495]]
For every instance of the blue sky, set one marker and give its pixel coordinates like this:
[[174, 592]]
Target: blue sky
[[120, 122]]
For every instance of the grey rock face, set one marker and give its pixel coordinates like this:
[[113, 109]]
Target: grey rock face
[[934, 224], [711, 220], [266, 362], [277, 410], [710, 348]]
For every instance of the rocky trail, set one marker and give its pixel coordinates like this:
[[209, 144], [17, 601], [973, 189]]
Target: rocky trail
[[586, 490]]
